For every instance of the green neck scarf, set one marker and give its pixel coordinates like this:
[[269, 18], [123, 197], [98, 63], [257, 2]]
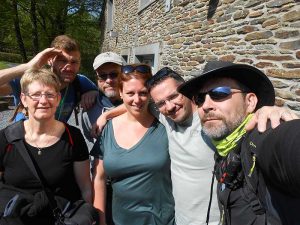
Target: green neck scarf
[[225, 145]]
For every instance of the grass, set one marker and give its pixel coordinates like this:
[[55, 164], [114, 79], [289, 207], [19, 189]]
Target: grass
[[3, 65]]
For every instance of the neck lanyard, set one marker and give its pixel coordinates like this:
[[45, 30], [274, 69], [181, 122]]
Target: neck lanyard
[[62, 101]]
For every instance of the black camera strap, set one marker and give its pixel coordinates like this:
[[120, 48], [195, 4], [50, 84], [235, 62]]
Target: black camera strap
[[31, 163]]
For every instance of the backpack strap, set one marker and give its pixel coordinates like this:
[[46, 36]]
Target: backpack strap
[[253, 177], [76, 84], [69, 135], [8, 147], [14, 132]]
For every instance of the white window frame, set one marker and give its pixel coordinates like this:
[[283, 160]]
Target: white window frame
[[144, 4], [110, 15], [151, 49], [126, 53]]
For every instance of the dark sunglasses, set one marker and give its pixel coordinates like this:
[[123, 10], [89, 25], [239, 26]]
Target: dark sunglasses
[[216, 94], [164, 72], [141, 68], [104, 76]]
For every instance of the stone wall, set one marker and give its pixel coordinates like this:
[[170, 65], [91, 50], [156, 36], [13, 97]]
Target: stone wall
[[263, 33]]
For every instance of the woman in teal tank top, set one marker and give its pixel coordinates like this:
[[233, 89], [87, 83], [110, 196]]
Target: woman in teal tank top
[[133, 151]]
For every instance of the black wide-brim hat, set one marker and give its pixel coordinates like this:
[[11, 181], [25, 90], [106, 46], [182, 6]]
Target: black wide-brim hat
[[254, 79]]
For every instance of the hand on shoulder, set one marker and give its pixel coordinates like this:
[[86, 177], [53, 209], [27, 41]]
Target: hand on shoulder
[[273, 113]]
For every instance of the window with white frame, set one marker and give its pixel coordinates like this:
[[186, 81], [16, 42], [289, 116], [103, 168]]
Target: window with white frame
[[149, 54], [125, 53], [110, 15], [145, 3]]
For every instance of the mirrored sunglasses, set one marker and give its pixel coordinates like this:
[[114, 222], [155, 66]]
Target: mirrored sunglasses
[[216, 94]]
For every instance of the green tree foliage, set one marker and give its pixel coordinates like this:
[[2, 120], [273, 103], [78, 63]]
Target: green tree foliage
[[39, 21]]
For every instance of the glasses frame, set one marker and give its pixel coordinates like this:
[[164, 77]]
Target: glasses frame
[[48, 96], [216, 94], [105, 76]]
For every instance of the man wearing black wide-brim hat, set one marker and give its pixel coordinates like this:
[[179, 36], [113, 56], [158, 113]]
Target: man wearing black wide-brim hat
[[258, 174]]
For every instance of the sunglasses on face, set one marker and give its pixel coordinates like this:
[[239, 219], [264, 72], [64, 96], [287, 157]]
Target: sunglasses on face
[[216, 94], [164, 72], [141, 68], [104, 76]]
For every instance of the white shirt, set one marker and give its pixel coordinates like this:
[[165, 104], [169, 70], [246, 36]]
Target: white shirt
[[192, 162]]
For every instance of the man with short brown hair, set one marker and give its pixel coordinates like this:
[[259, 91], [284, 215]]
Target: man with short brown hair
[[64, 60]]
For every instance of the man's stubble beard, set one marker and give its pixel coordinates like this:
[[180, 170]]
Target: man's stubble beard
[[221, 131], [111, 94]]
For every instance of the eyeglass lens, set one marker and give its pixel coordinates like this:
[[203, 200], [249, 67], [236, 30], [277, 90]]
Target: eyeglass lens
[[38, 96], [171, 98]]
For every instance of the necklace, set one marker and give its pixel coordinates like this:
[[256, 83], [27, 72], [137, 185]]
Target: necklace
[[39, 150], [36, 145]]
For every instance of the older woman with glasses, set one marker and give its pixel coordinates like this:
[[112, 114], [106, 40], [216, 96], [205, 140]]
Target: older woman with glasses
[[58, 151], [133, 151]]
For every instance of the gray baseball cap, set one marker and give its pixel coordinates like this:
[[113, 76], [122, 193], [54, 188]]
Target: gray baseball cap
[[107, 57]]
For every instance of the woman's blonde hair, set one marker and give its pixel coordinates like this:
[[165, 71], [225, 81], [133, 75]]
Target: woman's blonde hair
[[44, 76]]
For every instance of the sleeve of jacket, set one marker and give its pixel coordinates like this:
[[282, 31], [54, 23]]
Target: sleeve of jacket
[[279, 157], [86, 84]]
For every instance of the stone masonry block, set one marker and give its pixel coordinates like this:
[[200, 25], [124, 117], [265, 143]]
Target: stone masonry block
[[291, 16], [280, 73], [284, 33], [270, 22], [246, 29], [253, 3], [258, 35], [298, 54], [292, 45], [278, 3], [242, 14], [275, 57]]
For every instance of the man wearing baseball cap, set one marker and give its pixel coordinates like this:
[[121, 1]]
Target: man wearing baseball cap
[[107, 66], [257, 173]]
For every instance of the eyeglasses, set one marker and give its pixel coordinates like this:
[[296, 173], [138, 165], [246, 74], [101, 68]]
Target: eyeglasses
[[172, 98], [216, 94], [164, 72], [104, 76], [141, 68], [38, 96]]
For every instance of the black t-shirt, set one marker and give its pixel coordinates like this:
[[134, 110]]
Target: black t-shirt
[[55, 163]]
